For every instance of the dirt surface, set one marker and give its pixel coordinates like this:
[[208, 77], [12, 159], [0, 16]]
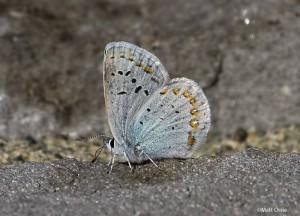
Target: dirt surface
[[241, 184]]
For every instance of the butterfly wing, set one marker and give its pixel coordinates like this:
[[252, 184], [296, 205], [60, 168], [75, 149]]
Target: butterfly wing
[[131, 76], [173, 122]]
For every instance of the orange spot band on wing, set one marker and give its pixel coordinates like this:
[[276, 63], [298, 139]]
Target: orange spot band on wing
[[187, 95], [192, 101], [139, 64], [164, 91], [194, 112], [155, 79], [176, 91], [130, 59], [191, 138], [194, 123], [148, 69]]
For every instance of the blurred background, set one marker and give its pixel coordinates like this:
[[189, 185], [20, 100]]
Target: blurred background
[[243, 53]]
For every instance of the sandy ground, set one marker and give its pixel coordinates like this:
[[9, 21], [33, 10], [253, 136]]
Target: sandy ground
[[245, 183]]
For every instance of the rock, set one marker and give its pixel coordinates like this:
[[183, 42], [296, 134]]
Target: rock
[[241, 184], [243, 53]]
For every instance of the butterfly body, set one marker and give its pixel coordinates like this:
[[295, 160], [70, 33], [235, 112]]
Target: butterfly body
[[150, 115]]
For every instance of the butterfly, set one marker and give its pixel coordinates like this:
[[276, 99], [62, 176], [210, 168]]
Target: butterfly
[[150, 115]]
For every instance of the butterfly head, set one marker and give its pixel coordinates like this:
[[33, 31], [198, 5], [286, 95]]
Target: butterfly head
[[107, 147], [110, 148]]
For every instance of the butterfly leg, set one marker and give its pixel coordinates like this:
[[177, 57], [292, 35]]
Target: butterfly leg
[[142, 152], [112, 163], [97, 153], [112, 154], [110, 160], [128, 160]]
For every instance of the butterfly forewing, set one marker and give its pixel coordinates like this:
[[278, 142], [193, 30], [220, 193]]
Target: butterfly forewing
[[173, 122], [131, 76]]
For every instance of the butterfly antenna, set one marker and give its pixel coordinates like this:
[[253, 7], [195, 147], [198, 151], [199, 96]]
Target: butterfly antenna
[[88, 138], [98, 151]]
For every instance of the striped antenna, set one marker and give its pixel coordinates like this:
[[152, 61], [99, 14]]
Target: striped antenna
[[89, 138]]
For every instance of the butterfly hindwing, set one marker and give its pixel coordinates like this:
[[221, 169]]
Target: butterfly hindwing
[[131, 76], [173, 122]]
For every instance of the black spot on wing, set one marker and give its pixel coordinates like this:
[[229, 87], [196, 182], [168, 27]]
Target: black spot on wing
[[122, 93], [138, 89]]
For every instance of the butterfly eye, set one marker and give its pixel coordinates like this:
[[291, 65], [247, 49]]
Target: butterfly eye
[[112, 143]]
